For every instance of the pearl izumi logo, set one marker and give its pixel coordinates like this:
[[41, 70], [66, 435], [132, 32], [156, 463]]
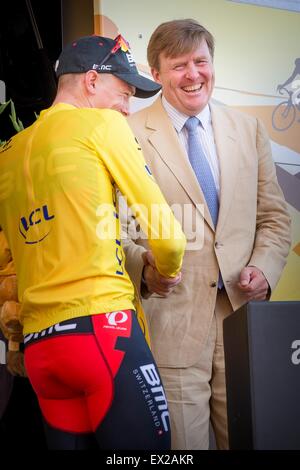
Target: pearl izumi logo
[[114, 319], [295, 358]]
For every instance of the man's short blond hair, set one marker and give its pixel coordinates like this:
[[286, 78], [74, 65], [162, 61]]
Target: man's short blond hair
[[175, 38]]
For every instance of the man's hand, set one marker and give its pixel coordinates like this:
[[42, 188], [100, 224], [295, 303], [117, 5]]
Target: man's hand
[[155, 282], [253, 283]]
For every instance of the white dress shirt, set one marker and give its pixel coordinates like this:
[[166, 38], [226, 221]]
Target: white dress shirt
[[206, 136]]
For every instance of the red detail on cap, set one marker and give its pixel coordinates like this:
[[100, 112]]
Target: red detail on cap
[[120, 43], [115, 48], [100, 43]]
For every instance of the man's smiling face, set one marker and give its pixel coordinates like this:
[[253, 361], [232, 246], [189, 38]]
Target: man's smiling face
[[187, 80]]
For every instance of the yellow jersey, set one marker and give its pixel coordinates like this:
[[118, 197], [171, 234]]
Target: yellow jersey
[[6, 263], [59, 214]]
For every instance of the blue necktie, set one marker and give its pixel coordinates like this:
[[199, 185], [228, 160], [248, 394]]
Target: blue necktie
[[203, 173], [201, 168]]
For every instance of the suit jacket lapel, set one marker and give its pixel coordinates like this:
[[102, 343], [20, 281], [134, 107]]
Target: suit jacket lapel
[[227, 150], [165, 140]]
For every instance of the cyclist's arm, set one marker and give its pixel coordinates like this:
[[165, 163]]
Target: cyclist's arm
[[289, 80], [125, 162]]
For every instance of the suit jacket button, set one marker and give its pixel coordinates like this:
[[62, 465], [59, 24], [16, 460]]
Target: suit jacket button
[[213, 284]]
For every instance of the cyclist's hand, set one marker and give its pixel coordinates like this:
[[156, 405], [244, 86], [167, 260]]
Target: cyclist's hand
[[161, 285]]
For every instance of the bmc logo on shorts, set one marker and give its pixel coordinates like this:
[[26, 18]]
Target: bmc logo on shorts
[[115, 318]]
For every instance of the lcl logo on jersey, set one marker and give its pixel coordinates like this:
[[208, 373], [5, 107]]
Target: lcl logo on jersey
[[115, 318], [40, 215]]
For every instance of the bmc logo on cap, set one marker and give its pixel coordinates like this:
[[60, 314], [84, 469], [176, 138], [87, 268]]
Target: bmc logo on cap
[[102, 67], [130, 58]]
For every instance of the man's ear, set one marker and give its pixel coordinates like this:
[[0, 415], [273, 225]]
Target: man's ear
[[90, 81], [156, 75]]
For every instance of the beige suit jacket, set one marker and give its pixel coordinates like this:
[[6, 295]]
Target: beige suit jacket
[[253, 225]]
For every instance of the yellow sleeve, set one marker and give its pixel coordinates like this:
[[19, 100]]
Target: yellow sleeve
[[6, 263], [124, 160]]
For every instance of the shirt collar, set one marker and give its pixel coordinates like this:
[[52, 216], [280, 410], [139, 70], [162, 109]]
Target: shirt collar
[[179, 119]]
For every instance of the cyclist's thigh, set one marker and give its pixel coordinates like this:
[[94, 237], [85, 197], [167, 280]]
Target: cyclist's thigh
[[65, 366], [138, 416]]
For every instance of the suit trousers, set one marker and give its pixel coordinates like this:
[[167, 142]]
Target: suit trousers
[[197, 394]]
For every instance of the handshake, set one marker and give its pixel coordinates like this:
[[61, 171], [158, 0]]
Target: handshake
[[10, 324], [155, 282]]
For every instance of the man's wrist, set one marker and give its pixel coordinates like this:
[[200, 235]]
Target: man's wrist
[[143, 280], [145, 292]]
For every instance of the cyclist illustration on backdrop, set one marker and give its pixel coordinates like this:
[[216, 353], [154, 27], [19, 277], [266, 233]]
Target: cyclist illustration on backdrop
[[284, 115]]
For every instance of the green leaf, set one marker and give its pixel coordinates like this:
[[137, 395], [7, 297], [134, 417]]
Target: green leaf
[[16, 122], [18, 126], [3, 106], [13, 112], [20, 123]]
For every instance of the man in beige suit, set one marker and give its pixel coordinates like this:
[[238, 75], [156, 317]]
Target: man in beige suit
[[238, 258]]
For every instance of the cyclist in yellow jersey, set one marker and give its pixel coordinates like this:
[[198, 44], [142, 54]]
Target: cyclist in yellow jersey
[[85, 354]]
